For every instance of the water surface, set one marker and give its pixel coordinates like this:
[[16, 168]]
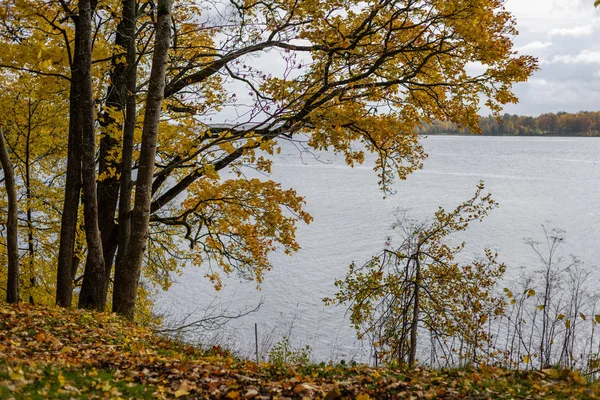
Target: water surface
[[535, 180]]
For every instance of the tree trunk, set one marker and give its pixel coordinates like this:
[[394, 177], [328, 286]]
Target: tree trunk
[[119, 93], [68, 228], [108, 187], [92, 294], [12, 240], [30, 245], [125, 289], [129, 19], [412, 357]]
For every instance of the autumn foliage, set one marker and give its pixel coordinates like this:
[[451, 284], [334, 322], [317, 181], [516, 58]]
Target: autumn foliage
[[53, 353], [144, 115], [583, 123], [419, 288]]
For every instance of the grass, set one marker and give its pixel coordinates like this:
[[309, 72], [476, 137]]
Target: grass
[[59, 382]]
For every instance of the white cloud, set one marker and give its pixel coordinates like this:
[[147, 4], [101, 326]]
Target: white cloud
[[475, 68], [544, 16], [539, 82], [583, 57], [533, 47], [578, 31], [565, 37], [557, 95]]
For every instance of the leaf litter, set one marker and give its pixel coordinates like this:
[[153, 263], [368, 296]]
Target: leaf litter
[[50, 352]]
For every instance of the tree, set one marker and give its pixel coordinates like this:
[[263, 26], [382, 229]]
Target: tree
[[32, 124], [12, 238], [124, 226], [420, 284], [128, 274], [583, 123], [93, 292], [367, 72], [65, 275]]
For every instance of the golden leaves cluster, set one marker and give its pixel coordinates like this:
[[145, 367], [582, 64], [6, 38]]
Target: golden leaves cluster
[[356, 77]]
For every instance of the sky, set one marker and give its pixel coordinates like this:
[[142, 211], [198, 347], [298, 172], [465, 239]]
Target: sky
[[565, 36]]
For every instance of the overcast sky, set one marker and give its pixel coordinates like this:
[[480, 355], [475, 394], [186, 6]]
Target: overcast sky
[[565, 36]]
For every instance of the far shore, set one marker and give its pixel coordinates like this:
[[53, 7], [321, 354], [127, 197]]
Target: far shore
[[578, 135]]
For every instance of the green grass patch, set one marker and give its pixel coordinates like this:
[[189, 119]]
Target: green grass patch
[[57, 382]]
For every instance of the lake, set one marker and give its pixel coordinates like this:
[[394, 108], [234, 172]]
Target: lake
[[552, 181]]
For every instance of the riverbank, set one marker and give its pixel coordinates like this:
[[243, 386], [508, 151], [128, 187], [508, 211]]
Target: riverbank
[[55, 353]]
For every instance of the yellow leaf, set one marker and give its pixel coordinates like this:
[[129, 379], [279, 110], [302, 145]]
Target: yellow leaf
[[561, 316], [568, 323], [583, 317], [16, 375], [227, 147], [180, 392], [597, 318], [530, 293], [526, 359], [540, 307], [363, 396]]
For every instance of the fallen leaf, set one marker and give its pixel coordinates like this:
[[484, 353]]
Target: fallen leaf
[[40, 337], [179, 393], [333, 394], [16, 375]]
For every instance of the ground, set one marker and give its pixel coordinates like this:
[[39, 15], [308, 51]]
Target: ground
[[48, 352]]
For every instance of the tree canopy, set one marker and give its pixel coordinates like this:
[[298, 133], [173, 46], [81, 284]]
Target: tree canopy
[[419, 283], [181, 94]]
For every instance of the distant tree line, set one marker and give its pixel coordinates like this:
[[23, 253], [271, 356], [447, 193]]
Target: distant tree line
[[584, 123]]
